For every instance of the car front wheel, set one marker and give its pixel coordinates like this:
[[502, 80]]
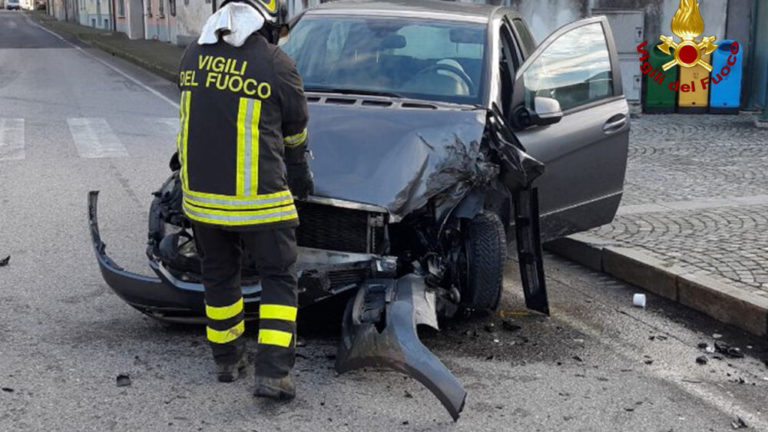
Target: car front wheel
[[484, 256]]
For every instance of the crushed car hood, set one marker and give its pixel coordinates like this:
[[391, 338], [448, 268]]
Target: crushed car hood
[[396, 158]]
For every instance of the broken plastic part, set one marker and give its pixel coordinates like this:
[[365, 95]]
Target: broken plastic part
[[379, 330], [529, 250]]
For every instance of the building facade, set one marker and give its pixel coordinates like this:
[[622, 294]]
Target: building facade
[[180, 21]]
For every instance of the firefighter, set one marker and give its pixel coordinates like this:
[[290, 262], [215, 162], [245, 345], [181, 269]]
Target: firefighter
[[242, 150]]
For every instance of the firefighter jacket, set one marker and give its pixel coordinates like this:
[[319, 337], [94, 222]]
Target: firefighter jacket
[[240, 109]]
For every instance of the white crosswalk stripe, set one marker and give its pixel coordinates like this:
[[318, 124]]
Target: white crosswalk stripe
[[11, 139], [94, 138], [171, 122]]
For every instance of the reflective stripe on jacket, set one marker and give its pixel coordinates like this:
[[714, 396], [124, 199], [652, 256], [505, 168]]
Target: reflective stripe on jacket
[[240, 108]]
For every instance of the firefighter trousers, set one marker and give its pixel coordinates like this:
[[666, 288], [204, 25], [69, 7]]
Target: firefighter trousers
[[275, 253]]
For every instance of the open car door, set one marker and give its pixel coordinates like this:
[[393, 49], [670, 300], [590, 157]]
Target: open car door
[[573, 79]]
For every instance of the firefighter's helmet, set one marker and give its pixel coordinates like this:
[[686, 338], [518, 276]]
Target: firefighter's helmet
[[275, 12]]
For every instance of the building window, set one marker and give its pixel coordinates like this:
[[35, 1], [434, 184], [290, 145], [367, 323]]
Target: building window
[[172, 7], [149, 8], [121, 8], [161, 9]]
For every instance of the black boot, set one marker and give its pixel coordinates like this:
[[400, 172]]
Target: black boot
[[231, 372], [281, 389]]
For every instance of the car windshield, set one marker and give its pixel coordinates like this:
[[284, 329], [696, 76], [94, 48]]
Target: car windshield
[[407, 57]]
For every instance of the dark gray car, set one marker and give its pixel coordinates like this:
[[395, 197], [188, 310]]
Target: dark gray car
[[439, 131]]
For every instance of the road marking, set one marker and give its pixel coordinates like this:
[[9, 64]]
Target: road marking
[[171, 122], [114, 68], [95, 139], [11, 139]]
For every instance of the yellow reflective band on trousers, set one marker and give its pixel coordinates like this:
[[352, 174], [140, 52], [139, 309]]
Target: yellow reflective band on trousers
[[253, 204], [222, 337], [296, 140], [240, 218], [183, 137], [224, 312], [275, 337], [248, 118], [278, 312]]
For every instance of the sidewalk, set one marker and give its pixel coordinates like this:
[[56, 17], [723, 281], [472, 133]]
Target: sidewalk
[[160, 58], [693, 225]]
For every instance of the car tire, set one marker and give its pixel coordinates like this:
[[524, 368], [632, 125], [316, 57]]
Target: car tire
[[485, 249]]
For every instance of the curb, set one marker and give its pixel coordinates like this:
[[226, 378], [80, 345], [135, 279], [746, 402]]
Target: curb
[[697, 291], [157, 70]]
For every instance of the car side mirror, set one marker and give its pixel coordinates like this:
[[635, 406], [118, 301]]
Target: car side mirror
[[546, 111]]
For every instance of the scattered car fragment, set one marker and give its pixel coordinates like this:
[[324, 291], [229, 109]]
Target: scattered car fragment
[[427, 158], [123, 380]]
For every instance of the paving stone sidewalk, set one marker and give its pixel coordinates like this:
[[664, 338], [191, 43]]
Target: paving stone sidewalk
[[697, 197]]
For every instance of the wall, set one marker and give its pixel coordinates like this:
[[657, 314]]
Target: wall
[[134, 19], [95, 13], [191, 15], [57, 10], [759, 81], [159, 21]]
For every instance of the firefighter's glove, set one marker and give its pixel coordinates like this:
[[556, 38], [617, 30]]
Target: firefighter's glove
[[300, 178], [174, 164]]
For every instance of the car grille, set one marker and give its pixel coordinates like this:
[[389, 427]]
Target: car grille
[[334, 228], [348, 277]]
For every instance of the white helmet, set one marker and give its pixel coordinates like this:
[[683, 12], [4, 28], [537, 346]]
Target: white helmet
[[275, 12]]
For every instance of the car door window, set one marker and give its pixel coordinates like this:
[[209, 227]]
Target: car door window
[[575, 69]]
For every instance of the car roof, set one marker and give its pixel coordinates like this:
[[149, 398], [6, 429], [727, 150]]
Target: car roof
[[433, 9]]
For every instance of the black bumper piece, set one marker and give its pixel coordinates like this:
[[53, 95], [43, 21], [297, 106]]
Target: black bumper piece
[[379, 330]]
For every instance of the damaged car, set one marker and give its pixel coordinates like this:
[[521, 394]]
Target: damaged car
[[442, 134]]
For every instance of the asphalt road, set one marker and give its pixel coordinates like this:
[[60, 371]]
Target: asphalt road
[[74, 120]]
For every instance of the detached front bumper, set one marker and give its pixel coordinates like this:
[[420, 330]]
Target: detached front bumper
[[322, 274]]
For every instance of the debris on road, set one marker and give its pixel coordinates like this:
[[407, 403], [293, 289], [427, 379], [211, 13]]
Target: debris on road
[[728, 351], [703, 345], [639, 300], [739, 423], [4, 262], [702, 360], [508, 325], [8, 390], [716, 335], [123, 380], [490, 327]]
